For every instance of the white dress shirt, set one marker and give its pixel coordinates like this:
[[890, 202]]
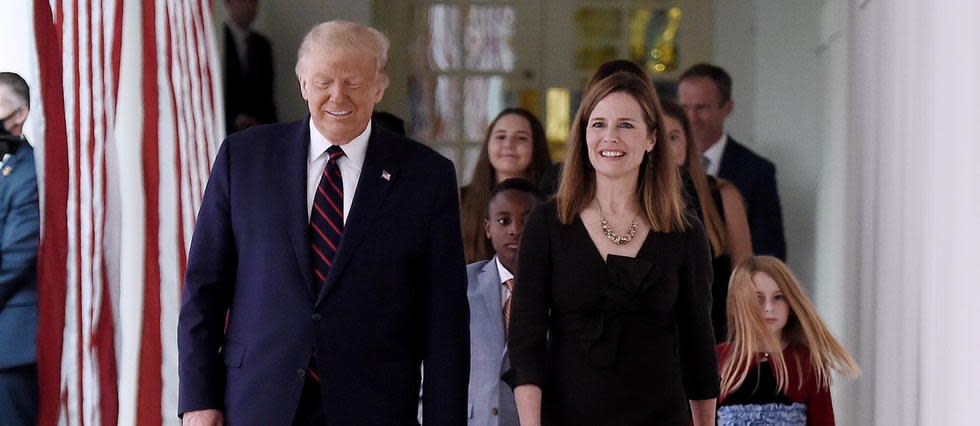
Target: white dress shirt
[[714, 153], [350, 165], [504, 276]]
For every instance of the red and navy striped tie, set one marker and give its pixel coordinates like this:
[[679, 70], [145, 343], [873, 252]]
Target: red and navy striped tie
[[327, 217], [326, 225]]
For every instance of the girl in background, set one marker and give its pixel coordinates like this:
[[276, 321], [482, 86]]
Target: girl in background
[[722, 212], [514, 147], [775, 370]]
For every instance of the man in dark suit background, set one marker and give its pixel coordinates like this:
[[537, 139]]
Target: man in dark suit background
[[333, 248], [705, 92], [248, 73], [19, 235]]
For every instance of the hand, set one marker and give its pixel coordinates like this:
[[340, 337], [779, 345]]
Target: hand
[[203, 418]]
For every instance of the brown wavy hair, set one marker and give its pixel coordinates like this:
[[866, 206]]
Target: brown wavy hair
[[750, 335], [658, 194], [475, 196], [714, 223]]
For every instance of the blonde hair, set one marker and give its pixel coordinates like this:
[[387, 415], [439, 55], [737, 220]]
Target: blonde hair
[[750, 335], [658, 183], [348, 37]]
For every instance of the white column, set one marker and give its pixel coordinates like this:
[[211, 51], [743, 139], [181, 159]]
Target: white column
[[914, 198]]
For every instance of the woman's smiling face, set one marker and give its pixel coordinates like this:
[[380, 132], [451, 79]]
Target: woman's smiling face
[[617, 136], [510, 147]]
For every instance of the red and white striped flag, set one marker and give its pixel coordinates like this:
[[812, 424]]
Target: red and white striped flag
[[133, 119]]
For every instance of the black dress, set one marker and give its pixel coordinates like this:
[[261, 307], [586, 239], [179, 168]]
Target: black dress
[[622, 342]]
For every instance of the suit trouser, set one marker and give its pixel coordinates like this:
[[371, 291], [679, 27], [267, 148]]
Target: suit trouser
[[18, 395]]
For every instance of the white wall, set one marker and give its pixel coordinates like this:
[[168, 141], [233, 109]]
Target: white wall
[[735, 46], [285, 23]]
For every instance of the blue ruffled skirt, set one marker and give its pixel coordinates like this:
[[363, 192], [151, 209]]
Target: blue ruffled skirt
[[762, 415]]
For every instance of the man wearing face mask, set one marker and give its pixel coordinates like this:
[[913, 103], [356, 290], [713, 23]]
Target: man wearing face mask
[[19, 235]]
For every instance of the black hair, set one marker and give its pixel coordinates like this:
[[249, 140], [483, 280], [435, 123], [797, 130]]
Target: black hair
[[518, 184]]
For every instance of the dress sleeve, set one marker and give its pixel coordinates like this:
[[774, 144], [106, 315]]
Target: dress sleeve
[[693, 315], [820, 409], [819, 405], [531, 303]]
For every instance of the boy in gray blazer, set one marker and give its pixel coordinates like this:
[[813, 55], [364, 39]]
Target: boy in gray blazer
[[490, 282]]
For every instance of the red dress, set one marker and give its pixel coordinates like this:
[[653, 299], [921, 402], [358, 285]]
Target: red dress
[[819, 407]]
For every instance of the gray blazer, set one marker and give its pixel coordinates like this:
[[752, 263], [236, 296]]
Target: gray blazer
[[491, 401]]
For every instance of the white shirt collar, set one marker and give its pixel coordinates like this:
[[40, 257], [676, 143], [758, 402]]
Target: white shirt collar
[[237, 31], [714, 153], [502, 271], [355, 150]]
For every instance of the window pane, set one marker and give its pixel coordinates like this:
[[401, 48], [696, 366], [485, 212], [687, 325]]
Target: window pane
[[598, 23], [435, 107], [599, 32], [485, 97], [653, 38], [443, 37], [557, 119], [489, 32], [470, 156]]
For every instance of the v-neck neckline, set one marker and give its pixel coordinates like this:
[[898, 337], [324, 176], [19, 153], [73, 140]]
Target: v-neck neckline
[[595, 247]]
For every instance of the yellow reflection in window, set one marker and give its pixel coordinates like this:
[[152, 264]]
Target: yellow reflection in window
[[558, 107], [653, 38]]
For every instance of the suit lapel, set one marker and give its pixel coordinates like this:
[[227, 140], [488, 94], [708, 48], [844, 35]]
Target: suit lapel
[[729, 160], [489, 280], [377, 175], [291, 166]]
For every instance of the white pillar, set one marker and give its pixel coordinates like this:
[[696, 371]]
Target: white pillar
[[914, 199]]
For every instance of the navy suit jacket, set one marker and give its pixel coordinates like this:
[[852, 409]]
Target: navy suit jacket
[[249, 87], [755, 178], [19, 235], [395, 296]]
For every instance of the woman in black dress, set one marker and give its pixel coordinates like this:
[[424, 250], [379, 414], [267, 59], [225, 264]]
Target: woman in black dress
[[610, 314], [722, 210]]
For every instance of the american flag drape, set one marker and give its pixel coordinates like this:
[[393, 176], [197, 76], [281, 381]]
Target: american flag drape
[[131, 102]]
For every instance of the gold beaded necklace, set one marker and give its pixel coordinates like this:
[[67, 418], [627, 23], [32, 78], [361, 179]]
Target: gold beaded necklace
[[612, 235]]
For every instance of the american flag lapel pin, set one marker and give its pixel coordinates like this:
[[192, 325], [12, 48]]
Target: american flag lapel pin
[[385, 175]]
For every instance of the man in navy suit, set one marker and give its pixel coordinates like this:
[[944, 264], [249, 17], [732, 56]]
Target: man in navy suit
[[705, 92], [326, 264], [19, 235], [248, 70]]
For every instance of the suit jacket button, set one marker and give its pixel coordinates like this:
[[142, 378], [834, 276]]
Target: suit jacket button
[[301, 372], [317, 317], [493, 411]]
